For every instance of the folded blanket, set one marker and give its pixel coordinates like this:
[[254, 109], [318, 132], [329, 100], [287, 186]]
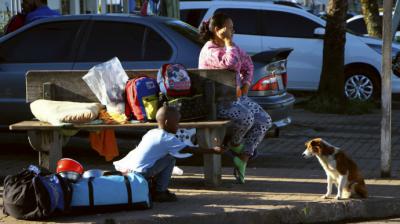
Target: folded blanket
[[61, 112]]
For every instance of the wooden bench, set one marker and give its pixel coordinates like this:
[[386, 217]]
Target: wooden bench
[[48, 140]]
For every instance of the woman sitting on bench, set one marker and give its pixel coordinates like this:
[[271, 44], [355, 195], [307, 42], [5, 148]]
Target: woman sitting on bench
[[250, 121]]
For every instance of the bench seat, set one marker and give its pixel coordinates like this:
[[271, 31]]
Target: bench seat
[[67, 85], [40, 125]]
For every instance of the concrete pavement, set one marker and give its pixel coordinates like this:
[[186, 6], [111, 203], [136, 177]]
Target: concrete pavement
[[281, 187]]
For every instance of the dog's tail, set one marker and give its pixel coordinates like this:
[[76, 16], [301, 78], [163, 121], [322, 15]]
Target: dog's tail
[[361, 189]]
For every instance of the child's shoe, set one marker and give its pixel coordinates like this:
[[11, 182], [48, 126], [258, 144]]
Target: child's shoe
[[177, 171], [164, 196]]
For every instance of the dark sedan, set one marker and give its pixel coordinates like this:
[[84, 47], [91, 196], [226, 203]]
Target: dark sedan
[[82, 41]]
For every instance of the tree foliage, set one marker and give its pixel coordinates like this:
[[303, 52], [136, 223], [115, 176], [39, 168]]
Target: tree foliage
[[373, 22]]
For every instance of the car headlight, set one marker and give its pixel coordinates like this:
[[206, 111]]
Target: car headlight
[[396, 63], [378, 49], [395, 57]]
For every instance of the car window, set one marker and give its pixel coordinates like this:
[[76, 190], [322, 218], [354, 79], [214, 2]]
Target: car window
[[193, 16], [244, 20], [156, 48], [114, 39], [49, 42], [357, 26], [186, 30], [283, 24]]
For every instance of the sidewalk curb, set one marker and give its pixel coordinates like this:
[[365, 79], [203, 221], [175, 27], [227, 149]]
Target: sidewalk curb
[[312, 212]]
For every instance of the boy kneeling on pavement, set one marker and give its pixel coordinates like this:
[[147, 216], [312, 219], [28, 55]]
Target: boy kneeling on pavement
[[154, 156]]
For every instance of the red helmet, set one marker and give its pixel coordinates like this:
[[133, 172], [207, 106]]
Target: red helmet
[[69, 165]]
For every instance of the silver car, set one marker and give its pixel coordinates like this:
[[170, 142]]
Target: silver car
[[82, 41]]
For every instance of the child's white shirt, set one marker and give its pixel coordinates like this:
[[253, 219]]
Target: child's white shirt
[[155, 145]]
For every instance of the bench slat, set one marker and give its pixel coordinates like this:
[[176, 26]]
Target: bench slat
[[40, 125], [69, 85]]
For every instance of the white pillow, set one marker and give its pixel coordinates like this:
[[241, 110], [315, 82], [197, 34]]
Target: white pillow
[[61, 112]]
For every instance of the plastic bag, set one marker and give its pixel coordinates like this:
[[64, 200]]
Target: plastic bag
[[107, 81]]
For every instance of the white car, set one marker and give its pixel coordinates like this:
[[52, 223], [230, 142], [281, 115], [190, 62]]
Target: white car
[[262, 25], [357, 25]]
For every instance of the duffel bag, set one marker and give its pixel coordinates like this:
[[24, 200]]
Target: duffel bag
[[113, 192], [35, 193]]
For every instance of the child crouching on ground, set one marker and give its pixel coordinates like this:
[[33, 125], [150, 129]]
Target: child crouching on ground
[[154, 156]]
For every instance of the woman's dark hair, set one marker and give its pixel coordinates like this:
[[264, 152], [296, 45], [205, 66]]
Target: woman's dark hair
[[206, 27]]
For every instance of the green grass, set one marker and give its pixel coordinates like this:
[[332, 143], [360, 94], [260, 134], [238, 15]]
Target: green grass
[[331, 105]]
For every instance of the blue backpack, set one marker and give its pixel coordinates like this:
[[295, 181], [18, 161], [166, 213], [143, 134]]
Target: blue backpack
[[35, 193], [141, 98], [113, 192]]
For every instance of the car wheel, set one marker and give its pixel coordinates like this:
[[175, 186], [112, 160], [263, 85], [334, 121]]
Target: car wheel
[[361, 84]]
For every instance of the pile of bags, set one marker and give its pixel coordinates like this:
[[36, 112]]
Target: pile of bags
[[144, 95], [35, 193], [126, 99]]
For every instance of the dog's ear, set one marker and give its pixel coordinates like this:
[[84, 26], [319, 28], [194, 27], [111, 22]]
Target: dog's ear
[[327, 149], [316, 146]]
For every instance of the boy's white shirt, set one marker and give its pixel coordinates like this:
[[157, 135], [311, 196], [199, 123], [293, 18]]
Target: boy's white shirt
[[155, 144]]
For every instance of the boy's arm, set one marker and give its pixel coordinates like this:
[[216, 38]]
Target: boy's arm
[[199, 150]]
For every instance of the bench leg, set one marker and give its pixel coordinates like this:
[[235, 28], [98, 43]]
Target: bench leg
[[49, 145], [212, 162]]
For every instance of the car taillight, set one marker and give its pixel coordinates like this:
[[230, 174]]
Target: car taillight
[[275, 79], [284, 79], [266, 83]]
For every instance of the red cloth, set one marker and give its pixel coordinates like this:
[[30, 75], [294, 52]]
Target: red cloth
[[143, 9], [15, 23], [105, 143]]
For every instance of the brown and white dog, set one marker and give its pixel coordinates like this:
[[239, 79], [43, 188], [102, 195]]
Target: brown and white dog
[[339, 168]]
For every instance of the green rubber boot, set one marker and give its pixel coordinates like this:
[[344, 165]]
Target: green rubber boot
[[239, 170], [237, 149]]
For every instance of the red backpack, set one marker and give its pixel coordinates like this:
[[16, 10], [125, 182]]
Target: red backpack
[[174, 80], [141, 98]]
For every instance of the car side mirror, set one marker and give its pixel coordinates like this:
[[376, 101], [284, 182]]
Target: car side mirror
[[397, 36], [319, 32]]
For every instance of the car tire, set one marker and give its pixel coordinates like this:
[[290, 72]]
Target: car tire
[[361, 84]]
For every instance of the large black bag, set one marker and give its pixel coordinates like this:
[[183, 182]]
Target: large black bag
[[190, 107], [35, 193]]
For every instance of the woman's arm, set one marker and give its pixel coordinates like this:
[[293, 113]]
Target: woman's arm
[[246, 70], [244, 90], [218, 57], [199, 150]]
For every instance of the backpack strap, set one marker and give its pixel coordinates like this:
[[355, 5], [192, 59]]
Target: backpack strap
[[129, 190], [91, 196], [164, 75], [67, 190]]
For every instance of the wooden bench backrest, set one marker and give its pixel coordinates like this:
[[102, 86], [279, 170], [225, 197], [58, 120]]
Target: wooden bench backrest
[[69, 85]]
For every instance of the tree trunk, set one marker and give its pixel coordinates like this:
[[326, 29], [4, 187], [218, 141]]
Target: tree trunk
[[331, 86], [373, 21]]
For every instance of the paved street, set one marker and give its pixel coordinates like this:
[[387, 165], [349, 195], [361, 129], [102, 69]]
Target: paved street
[[358, 135], [281, 188]]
